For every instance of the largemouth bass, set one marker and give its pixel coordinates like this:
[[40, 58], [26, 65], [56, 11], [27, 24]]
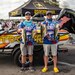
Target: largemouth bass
[[24, 36]]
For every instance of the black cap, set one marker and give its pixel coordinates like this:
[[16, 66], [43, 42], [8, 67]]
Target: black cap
[[48, 13], [27, 13]]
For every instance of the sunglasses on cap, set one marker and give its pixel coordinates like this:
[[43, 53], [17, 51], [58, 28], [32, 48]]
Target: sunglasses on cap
[[27, 13], [49, 14]]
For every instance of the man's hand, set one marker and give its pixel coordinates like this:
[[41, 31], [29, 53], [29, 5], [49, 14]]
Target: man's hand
[[19, 30]]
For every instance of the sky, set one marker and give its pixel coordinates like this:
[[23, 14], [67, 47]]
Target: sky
[[8, 5], [67, 3]]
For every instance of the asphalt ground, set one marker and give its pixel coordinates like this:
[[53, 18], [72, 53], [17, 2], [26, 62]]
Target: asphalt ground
[[66, 64]]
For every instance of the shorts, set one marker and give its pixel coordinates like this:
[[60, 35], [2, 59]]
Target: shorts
[[26, 49], [48, 47]]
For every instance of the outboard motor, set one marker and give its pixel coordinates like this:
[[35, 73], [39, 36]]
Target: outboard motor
[[67, 17]]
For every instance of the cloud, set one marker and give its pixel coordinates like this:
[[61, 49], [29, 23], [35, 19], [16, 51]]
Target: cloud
[[67, 4], [8, 5]]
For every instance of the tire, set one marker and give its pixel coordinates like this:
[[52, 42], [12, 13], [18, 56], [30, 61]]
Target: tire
[[50, 59], [17, 58], [37, 53], [37, 57]]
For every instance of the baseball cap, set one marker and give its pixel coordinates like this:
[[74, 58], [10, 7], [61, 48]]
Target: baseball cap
[[48, 13], [27, 13]]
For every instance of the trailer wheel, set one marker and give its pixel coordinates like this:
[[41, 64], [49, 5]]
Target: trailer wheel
[[37, 56], [17, 58]]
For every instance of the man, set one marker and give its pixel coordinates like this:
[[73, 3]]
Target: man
[[49, 42], [27, 47]]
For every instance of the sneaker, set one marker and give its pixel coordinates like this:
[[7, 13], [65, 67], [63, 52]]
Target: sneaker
[[23, 69], [56, 70], [32, 69], [44, 70]]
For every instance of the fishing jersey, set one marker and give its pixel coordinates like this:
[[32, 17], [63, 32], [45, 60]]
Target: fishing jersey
[[49, 35], [29, 27]]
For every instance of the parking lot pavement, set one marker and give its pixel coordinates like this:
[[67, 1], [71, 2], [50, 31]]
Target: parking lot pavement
[[68, 57], [7, 66]]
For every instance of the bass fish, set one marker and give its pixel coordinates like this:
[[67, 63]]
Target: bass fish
[[24, 36]]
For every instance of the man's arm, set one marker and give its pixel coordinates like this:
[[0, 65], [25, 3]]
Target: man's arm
[[20, 27]]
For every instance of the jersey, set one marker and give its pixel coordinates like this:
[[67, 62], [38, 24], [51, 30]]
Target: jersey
[[29, 26], [49, 36]]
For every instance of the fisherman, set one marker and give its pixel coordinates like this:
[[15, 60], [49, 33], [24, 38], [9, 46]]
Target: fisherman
[[27, 42], [50, 42]]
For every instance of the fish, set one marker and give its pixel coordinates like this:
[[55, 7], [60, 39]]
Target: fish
[[24, 36], [56, 31], [43, 30]]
